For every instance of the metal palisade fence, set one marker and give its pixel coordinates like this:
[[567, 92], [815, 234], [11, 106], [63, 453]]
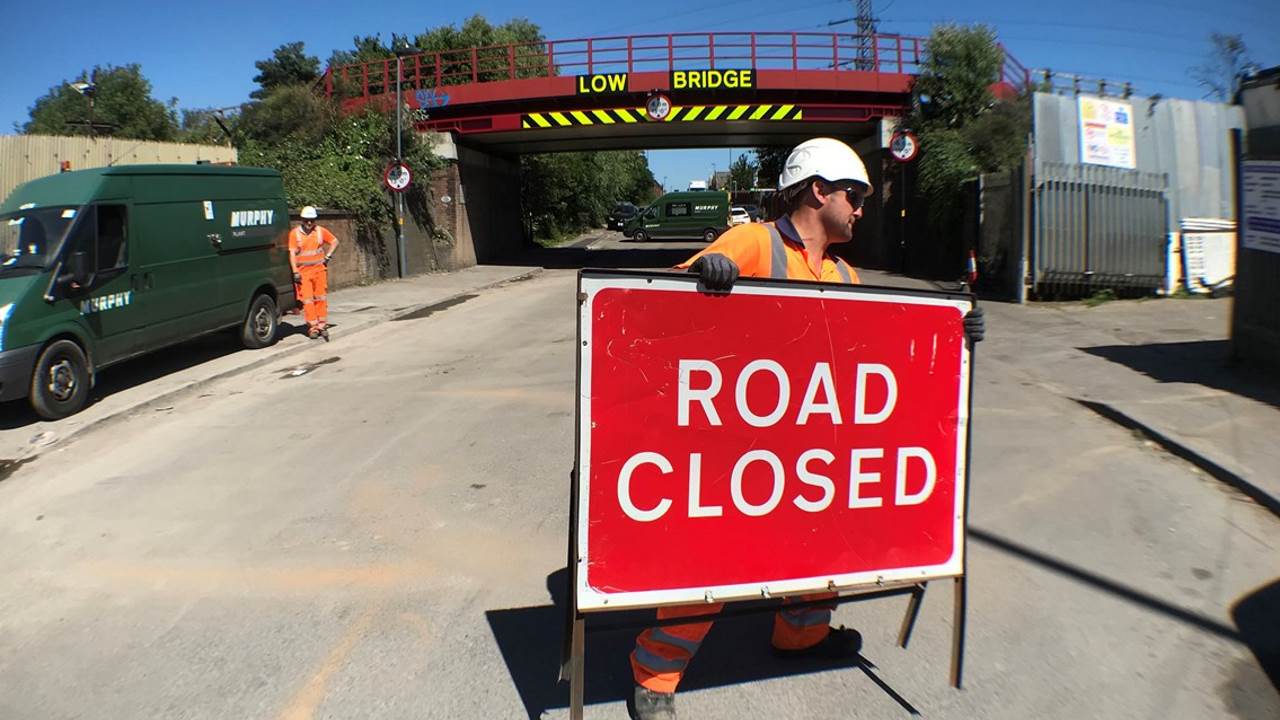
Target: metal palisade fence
[[1098, 228]]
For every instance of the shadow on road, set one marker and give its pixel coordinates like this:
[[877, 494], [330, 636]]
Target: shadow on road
[[1203, 362], [735, 651], [1257, 616], [147, 368]]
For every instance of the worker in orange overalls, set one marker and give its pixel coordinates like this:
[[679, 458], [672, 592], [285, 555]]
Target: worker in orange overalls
[[310, 248], [821, 191]]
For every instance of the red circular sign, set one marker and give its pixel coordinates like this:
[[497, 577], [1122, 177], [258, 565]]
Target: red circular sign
[[657, 107], [397, 177], [904, 147]]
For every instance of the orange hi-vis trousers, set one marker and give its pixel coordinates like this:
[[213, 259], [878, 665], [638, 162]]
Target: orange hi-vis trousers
[[663, 653], [313, 289]]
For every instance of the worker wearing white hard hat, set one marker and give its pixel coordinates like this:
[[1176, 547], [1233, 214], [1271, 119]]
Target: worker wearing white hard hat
[[823, 187], [310, 248]]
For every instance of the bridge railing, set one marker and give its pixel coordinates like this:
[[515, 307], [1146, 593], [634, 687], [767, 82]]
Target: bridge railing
[[630, 54]]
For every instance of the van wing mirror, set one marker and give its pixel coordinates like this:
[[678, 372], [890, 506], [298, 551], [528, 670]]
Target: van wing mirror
[[78, 264]]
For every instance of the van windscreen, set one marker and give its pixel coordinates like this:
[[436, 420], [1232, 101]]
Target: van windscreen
[[29, 239]]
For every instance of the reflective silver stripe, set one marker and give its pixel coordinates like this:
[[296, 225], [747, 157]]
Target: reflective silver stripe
[[844, 271], [321, 297], [807, 617], [656, 663], [778, 257], [310, 263], [659, 635]]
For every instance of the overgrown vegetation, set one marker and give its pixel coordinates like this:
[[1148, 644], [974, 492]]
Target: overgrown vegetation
[[565, 193], [963, 129]]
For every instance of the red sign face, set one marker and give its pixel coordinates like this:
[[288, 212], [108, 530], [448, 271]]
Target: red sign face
[[773, 440]]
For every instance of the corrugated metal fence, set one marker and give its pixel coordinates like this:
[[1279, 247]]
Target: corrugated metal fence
[[1187, 140], [27, 157], [1097, 227]]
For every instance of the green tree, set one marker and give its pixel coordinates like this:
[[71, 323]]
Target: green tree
[[492, 62], [961, 63], [1227, 62], [769, 161], [963, 130], [122, 107], [564, 193], [288, 65], [742, 173], [206, 126]]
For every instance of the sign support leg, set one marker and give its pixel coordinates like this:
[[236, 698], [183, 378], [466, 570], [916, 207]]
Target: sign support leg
[[913, 611], [957, 634], [576, 669]]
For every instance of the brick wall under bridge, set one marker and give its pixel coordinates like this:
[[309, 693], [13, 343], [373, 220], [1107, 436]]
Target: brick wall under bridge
[[474, 217]]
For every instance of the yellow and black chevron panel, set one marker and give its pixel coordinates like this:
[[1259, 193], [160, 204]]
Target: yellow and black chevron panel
[[687, 113]]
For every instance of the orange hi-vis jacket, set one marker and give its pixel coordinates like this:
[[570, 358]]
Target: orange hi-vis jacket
[[309, 247], [774, 250]]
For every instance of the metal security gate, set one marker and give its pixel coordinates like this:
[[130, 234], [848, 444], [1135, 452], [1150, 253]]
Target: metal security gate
[[1098, 228]]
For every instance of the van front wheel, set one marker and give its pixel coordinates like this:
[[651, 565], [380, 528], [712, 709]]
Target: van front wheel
[[709, 235], [260, 324], [640, 236], [60, 383]]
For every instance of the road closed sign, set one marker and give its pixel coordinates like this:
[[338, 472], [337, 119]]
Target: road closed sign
[[778, 439]]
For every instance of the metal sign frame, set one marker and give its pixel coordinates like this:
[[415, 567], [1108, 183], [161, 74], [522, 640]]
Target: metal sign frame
[[859, 586]]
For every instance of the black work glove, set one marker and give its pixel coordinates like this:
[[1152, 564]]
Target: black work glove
[[326, 260], [975, 327], [716, 271], [297, 278]]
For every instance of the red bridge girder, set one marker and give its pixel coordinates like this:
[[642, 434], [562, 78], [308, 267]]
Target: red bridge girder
[[487, 89]]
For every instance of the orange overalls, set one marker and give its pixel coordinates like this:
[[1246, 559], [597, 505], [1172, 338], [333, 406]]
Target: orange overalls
[[769, 250], [308, 249]]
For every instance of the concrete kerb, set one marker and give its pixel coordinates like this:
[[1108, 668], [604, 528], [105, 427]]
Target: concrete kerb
[[259, 359]]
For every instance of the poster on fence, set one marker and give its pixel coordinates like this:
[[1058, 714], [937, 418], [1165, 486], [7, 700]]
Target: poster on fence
[[1106, 132], [1260, 221]]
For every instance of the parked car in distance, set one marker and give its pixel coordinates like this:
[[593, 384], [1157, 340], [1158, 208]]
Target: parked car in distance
[[620, 214], [757, 215], [738, 216]]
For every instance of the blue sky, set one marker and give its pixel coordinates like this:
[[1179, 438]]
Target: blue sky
[[203, 53]]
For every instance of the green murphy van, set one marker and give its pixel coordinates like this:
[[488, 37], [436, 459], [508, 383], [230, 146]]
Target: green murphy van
[[703, 213], [99, 266]]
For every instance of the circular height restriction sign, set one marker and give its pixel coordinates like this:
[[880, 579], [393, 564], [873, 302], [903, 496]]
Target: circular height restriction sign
[[904, 147], [657, 107], [397, 177]]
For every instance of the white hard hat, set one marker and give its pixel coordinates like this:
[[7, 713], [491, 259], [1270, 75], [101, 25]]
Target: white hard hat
[[308, 213], [826, 158]]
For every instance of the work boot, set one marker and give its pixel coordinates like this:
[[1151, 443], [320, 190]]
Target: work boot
[[841, 643], [648, 704], [313, 332]]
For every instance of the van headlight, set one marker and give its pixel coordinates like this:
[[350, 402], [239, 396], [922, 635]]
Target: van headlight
[[4, 318]]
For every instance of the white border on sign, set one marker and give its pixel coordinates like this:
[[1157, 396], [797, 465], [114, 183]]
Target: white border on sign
[[589, 598]]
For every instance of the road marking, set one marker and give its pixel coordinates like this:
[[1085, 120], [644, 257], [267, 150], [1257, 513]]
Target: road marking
[[304, 704]]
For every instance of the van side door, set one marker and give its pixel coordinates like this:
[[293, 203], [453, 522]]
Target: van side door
[[676, 222], [110, 306], [178, 260]]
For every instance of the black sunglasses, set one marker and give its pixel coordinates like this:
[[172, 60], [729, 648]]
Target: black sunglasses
[[853, 192]]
